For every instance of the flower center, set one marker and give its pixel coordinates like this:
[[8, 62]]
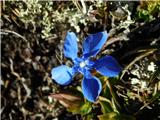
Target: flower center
[[82, 64]]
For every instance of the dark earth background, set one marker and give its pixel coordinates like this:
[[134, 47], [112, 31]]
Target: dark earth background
[[32, 36]]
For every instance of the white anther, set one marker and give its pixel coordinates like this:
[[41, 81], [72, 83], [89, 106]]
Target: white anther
[[82, 64]]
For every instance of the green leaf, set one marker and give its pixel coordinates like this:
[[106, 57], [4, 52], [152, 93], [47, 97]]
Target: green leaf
[[114, 96], [108, 95], [108, 116], [83, 108], [115, 116], [86, 108], [88, 117], [106, 105], [106, 92]]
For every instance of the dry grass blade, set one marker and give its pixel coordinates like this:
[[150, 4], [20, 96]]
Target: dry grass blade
[[15, 33], [77, 5], [137, 59]]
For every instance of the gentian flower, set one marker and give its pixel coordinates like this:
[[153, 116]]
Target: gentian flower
[[107, 66]]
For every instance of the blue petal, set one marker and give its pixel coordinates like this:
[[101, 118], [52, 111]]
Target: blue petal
[[62, 74], [70, 46], [108, 66], [91, 88], [93, 43]]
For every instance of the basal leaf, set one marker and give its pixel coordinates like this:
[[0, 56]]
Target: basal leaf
[[105, 107], [115, 116], [108, 116], [68, 100], [83, 109]]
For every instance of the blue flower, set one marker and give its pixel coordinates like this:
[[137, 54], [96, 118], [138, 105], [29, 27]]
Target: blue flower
[[107, 66]]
